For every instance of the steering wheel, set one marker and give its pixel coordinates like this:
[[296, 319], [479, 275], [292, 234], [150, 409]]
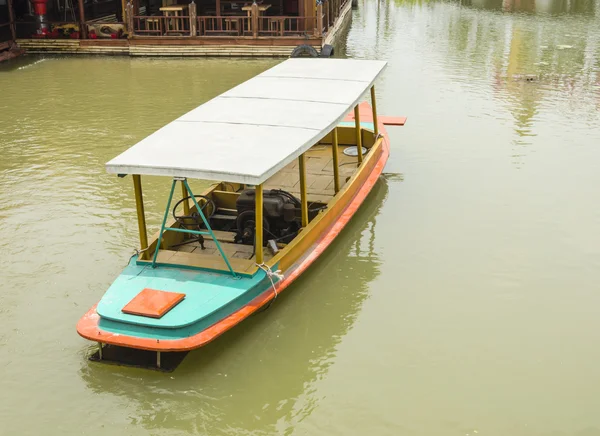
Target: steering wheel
[[195, 216]]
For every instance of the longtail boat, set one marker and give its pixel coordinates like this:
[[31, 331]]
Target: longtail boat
[[296, 154]]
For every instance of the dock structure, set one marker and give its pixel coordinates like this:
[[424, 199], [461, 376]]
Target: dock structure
[[234, 28]]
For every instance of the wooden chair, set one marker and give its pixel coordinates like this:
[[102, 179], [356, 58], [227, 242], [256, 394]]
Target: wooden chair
[[276, 26], [153, 24], [232, 25]]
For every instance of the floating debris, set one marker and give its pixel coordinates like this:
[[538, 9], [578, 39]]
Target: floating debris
[[525, 77], [563, 47]]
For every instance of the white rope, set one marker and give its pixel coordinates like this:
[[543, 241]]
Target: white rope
[[138, 252], [271, 274]]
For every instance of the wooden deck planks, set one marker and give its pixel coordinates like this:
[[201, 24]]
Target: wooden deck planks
[[214, 262], [319, 174], [158, 47]]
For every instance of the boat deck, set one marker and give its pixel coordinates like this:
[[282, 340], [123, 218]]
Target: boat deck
[[319, 172]]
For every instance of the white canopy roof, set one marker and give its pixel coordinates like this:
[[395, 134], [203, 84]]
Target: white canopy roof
[[252, 131]]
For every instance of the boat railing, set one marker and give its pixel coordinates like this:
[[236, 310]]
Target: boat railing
[[208, 232]]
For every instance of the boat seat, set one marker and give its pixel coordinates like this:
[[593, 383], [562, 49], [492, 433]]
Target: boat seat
[[227, 211], [210, 262], [222, 216]]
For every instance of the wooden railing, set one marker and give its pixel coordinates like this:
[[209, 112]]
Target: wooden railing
[[286, 26], [328, 12], [192, 25], [158, 25], [236, 25], [224, 26]]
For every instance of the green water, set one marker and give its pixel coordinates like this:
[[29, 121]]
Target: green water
[[462, 299]]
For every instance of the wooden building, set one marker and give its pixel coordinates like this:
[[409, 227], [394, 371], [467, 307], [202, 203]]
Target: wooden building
[[175, 27]]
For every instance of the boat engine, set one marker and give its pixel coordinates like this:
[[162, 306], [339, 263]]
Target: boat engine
[[280, 220]]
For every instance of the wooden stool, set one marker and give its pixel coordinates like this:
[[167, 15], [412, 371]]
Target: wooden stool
[[152, 24], [276, 26], [231, 25], [173, 13]]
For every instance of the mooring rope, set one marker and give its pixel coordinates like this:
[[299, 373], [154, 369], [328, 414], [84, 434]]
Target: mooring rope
[[270, 274], [137, 253]]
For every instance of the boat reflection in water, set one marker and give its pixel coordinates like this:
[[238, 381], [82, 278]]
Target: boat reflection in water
[[261, 376]]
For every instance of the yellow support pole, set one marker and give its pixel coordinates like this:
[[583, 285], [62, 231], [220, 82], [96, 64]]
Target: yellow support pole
[[374, 107], [186, 204], [358, 134], [336, 163], [303, 201], [259, 224], [139, 205]]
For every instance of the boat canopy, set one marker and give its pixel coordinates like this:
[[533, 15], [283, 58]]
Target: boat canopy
[[250, 132]]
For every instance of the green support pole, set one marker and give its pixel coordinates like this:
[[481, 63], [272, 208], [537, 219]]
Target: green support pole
[[164, 222], [209, 231], [208, 228]]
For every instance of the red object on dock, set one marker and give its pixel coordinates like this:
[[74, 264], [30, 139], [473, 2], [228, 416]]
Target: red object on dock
[[40, 6], [152, 303], [40, 9]]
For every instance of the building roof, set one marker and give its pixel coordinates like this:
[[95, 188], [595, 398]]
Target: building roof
[[250, 132]]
